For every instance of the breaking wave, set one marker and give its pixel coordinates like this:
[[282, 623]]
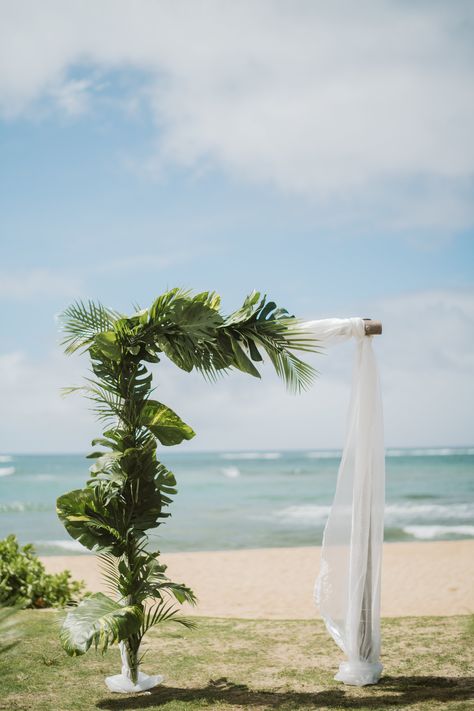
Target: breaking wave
[[324, 454], [64, 545], [21, 506], [394, 514], [432, 512], [307, 514], [394, 452], [231, 472], [431, 452], [429, 533], [250, 455]]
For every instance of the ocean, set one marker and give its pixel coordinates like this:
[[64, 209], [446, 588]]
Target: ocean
[[229, 500]]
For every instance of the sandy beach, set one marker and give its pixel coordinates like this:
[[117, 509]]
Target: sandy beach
[[277, 583]]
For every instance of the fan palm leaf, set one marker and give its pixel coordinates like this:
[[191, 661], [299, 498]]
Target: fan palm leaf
[[82, 321]]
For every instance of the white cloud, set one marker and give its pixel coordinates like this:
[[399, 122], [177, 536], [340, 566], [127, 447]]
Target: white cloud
[[334, 101], [28, 284], [427, 360], [73, 96], [34, 417], [427, 368]]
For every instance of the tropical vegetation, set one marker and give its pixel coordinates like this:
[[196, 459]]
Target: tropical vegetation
[[129, 490], [24, 581]]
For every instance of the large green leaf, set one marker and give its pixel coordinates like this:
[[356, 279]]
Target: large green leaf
[[107, 344], [242, 361], [165, 424], [92, 519], [100, 621]]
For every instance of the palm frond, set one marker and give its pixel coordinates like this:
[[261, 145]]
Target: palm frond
[[162, 612], [259, 323], [81, 321], [108, 565], [181, 592], [108, 406], [279, 338]]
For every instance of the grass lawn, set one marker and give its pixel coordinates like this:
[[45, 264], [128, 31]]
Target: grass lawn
[[244, 664]]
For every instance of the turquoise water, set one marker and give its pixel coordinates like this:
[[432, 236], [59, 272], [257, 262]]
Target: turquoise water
[[251, 499]]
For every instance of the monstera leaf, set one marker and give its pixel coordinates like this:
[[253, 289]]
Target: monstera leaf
[[99, 621], [91, 520], [165, 424]]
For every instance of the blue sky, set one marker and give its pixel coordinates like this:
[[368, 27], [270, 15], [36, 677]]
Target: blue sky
[[321, 156]]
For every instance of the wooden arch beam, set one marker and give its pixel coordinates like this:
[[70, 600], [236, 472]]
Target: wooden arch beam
[[372, 328]]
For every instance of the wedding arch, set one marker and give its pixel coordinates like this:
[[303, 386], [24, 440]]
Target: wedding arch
[[129, 490]]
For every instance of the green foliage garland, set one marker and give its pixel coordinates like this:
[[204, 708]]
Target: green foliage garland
[[129, 490]]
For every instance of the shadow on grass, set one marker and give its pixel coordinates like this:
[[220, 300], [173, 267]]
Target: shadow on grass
[[390, 692]]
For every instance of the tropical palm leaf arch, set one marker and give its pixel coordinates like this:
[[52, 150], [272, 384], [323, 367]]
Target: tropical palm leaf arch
[[129, 491]]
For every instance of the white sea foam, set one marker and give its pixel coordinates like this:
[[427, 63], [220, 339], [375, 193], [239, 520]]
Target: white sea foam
[[336, 453], [431, 452], [250, 455], [324, 454], [230, 472], [304, 514], [66, 545], [7, 471], [394, 452], [426, 533], [5, 458], [432, 512], [20, 506], [12, 507], [395, 514]]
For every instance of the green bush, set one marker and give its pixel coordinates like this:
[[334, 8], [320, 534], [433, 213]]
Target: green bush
[[24, 581]]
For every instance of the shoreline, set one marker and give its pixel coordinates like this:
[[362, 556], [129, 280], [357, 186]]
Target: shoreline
[[418, 579]]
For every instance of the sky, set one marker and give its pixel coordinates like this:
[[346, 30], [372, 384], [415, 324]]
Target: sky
[[319, 152]]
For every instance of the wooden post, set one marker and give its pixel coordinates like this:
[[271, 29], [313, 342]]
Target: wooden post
[[372, 328]]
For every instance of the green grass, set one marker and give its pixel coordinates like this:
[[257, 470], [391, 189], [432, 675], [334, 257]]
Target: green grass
[[244, 664]]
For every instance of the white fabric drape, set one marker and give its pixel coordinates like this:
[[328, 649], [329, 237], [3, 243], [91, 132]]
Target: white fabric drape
[[348, 587]]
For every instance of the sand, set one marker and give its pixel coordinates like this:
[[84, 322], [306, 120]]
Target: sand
[[432, 578]]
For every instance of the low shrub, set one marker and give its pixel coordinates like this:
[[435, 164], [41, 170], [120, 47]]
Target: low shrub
[[24, 581]]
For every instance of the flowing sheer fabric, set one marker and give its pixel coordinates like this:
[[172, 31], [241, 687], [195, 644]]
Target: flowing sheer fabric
[[348, 587]]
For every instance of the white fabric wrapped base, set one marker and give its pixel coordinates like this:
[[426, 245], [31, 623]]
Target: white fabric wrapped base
[[359, 673], [122, 684]]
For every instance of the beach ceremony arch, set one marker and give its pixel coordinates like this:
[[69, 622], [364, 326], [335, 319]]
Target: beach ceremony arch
[[129, 489]]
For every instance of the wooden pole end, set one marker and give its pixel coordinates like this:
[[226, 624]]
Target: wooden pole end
[[372, 328]]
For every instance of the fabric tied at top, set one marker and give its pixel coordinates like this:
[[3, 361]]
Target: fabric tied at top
[[348, 586]]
